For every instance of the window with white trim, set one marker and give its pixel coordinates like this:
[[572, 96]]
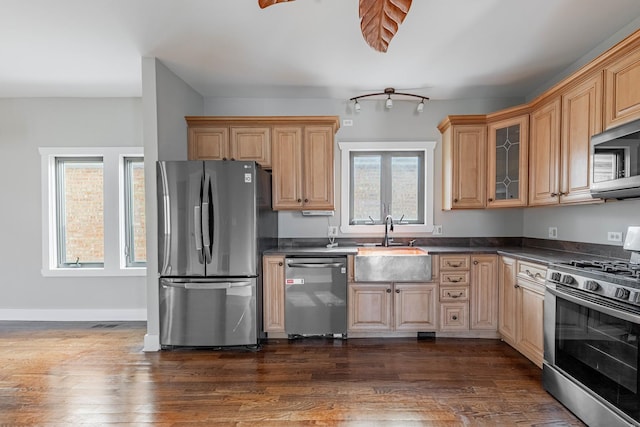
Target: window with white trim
[[93, 211], [387, 178]]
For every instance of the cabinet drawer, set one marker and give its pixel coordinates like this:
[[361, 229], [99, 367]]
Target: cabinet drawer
[[454, 293], [531, 271], [454, 316], [454, 262], [454, 278]]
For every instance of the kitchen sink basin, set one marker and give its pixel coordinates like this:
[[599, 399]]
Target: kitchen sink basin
[[392, 264]]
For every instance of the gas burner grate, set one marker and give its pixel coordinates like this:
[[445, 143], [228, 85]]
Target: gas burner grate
[[618, 268]]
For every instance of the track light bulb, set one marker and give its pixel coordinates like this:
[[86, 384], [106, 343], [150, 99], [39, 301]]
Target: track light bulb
[[420, 107], [356, 106], [389, 102]]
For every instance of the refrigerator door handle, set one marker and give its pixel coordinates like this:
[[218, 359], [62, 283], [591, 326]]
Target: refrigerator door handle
[[197, 221], [166, 214], [206, 240]]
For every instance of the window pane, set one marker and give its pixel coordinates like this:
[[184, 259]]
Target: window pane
[[80, 212], [405, 187], [135, 214], [366, 191]]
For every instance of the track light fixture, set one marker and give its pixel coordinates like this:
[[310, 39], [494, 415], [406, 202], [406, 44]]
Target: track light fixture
[[389, 102]]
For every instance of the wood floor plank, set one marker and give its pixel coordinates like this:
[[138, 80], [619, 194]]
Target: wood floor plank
[[83, 373]]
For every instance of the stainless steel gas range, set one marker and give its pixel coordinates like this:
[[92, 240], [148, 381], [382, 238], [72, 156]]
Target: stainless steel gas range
[[591, 334]]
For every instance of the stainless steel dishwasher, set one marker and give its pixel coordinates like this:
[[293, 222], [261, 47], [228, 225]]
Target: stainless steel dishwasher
[[316, 296]]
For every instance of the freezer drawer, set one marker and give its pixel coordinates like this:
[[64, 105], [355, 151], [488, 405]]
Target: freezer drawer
[[208, 312], [316, 296]]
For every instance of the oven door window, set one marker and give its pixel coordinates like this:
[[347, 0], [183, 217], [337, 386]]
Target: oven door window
[[601, 352]]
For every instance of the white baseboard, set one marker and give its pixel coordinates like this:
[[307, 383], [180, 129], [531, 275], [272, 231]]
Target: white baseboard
[[74, 315], [151, 343]]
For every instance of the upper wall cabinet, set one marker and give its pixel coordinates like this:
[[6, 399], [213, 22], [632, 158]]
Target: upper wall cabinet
[[581, 119], [216, 138], [303, 168], [507, 161], [464, 151], [544, 160], [622, 89]]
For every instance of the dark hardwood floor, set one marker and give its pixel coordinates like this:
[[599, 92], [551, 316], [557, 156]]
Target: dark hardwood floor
[[96, 374]]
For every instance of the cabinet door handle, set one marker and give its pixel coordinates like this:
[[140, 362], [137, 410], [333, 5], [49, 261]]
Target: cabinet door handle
[[306, 200], [454, 317], [389, 290], [455, 200], [554, 194], [299, 200], [490, 200], [516, 286], [397, 291], [280, 264], [475, 262]]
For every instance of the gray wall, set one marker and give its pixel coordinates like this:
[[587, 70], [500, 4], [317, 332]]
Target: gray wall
[[26, 125], [166, 100], [375, 123]]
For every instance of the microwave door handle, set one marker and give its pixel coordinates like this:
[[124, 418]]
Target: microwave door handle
[[206, 240]]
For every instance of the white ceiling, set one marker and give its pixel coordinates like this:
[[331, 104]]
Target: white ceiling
[[306, 48]]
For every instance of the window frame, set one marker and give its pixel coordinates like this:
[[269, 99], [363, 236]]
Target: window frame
[[427, 147], [114, 230], [128, 239]]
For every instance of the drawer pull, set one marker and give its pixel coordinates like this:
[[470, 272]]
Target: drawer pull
[[459, 279], [454, 317], [454, 265], [455, 296], [533, 276]]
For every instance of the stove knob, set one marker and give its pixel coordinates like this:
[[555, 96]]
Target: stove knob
[[568, 280], [591, 285], [555, 277], [622, 293]]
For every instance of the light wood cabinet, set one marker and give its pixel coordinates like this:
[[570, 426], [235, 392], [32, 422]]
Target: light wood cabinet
[[544, 159], [251, 143], [464, 152], [581, 119], [208, 143], [303, 172], [370, 307], [385, 307], [454, 292], [622, 90], [273, 293], [561, 133], [484, 293], [507, 162], [507, 300], [241, 143], [521, 297]]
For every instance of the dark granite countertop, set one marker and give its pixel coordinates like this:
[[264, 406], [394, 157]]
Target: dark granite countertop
[[537, 255]]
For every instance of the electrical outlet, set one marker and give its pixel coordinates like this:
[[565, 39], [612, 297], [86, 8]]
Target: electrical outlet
[[614, 236], [332, 231], [437, 230], [553, 232]]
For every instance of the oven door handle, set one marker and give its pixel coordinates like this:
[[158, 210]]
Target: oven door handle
[[618, 314]]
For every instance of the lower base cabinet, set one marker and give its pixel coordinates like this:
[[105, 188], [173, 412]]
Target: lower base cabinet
[[273, 293], [521, 295], [383, 307]]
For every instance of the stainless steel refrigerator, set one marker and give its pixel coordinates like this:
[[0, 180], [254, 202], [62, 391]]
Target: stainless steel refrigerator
[[214, 222]]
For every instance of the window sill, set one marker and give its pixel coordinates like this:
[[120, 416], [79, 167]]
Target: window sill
[[94, 272], [409, 230]]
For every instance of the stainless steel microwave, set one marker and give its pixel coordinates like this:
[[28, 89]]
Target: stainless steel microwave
[[615, 162]]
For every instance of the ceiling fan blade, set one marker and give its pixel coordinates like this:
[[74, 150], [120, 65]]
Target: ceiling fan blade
[[267, 3], [380, 19]]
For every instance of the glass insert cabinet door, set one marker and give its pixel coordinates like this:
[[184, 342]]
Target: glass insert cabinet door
[[508, 150]]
